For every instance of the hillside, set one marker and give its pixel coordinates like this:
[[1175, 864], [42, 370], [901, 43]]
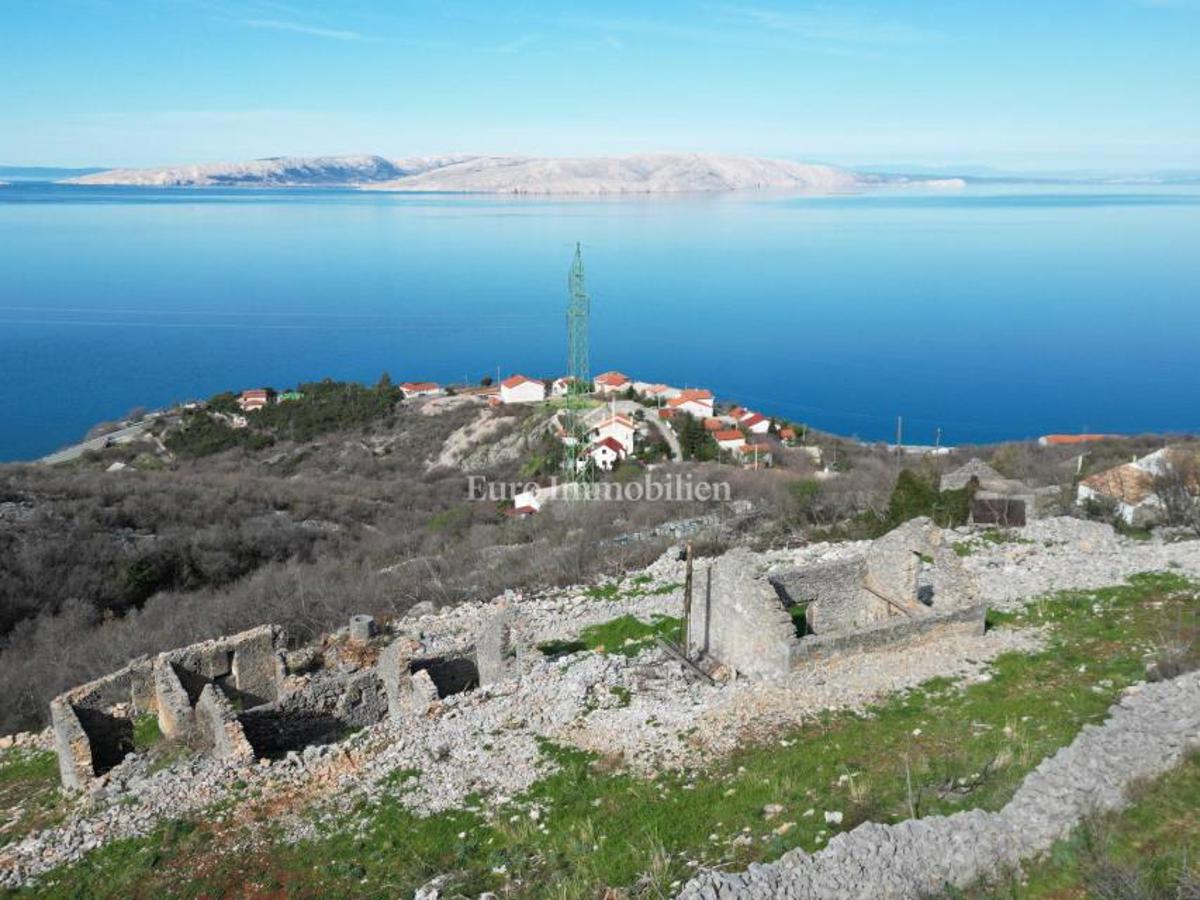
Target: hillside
[[387, 688], [281, 171], [666, 173], [645, 174]]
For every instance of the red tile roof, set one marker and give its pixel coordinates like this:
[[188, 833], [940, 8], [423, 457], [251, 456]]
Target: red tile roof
[[517, 380], [714, 424], [411, 387], [611, 379], [1065, 439], [1126, 483], [618, 419], [732, 435], [788, 434], [753, 419], [611, 443], [696, 396]]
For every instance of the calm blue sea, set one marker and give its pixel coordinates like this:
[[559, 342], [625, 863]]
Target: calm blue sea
[[991, 313]]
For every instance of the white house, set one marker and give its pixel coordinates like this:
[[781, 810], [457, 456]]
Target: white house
[[519, 389], [526, 502], [606, 453], [562, 386], [658, 392], [729, 440], [698, 403], [421, 389], [756, 424], [1132, 487], [611, 383], [254, 399], [618, 427]]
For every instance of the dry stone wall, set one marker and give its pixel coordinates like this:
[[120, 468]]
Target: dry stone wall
[[1149, 732]]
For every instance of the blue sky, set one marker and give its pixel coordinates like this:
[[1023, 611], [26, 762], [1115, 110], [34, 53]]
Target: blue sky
[[1104, 84]]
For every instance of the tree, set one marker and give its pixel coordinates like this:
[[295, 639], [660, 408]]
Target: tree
[[1177, 487], [385, 382], [485, 381]]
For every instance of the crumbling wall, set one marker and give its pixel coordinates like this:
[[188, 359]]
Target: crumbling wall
[[970, 620], [245, 665], [497, 649], [392, 670], [884, 584], [218, 725], [93, 725], [739, 620], [832, 593]]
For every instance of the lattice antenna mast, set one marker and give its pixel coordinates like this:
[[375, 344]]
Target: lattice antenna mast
[[577, 327]]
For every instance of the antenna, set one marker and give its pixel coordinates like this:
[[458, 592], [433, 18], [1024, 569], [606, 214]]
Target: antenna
[[578, 312], [578, 371]]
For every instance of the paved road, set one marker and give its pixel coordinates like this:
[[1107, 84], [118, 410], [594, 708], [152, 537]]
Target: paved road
[[120, 436], [629, 407]]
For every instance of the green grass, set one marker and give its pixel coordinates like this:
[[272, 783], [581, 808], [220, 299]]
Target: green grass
[[626, 635], [28, 785], [638, 587], [145, 732], [1152, 848], [959, 746]]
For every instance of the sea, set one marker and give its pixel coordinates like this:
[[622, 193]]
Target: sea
[[996, 312]]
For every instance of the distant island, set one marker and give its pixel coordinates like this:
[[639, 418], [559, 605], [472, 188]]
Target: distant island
[[640, 174]]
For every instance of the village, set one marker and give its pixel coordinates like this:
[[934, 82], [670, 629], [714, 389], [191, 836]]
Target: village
[[616, 420]]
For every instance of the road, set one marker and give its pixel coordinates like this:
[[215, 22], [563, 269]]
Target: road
[[629, 407], [120, 436]]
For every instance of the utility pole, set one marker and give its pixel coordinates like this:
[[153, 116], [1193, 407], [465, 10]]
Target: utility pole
[[684, 638], [937, 440]]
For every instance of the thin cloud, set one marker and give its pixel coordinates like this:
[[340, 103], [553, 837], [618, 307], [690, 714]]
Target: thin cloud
[[828, 25], [332, 34]]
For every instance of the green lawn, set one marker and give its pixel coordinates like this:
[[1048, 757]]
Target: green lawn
[[938, 749]]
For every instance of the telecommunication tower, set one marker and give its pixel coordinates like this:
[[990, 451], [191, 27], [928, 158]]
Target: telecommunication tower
[[578, 461], [577, 327]]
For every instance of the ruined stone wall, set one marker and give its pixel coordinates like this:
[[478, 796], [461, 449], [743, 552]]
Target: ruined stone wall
[[88, 737], [739, 620], [1149, 731], [218, 725], [832, 591], [883, 585], [967, 620], [496, 649], [245, 665]]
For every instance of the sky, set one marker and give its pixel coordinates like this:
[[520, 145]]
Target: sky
[[1111, 85]]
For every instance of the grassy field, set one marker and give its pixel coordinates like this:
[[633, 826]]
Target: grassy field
[[29, 797], [939, 749]]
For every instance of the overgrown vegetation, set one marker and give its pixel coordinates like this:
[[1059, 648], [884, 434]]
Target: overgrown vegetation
[[939, 749], [100, 568], [321, 407]]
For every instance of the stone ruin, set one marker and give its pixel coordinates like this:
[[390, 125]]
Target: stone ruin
[[908, 585], [246, 696]]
